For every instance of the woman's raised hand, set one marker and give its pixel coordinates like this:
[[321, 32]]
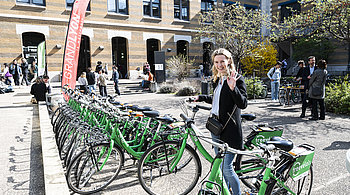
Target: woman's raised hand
[[231, 80]]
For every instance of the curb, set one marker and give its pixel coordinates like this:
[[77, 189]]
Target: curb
[[55, 180]]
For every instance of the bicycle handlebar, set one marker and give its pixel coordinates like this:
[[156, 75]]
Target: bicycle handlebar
[[203, 107]]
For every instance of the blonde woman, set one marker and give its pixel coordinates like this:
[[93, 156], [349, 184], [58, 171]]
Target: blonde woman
[[229, 98]]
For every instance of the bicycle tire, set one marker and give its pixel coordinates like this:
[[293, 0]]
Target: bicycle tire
[[295, 96], [299, 187], [282, 97], [154, 176], [249, 169], [82, 176]]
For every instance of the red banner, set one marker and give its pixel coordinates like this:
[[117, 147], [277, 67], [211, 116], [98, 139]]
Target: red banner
[[72, 47]]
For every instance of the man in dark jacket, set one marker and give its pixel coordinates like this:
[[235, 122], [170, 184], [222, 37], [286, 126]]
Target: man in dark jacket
[[305, 77], [90, 77], [116, 80]]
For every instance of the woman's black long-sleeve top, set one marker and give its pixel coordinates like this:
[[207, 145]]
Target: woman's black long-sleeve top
[[232, 134]]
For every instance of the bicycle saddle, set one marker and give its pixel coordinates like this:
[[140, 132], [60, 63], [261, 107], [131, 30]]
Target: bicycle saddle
[[146, 108], [166, 119], [281, 143], [152, 113], [248, 117], [115, 103]]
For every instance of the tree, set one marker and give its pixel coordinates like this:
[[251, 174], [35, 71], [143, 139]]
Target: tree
[[320, 48], [235, 28], [179, 66], [321, 19], [262, 59]]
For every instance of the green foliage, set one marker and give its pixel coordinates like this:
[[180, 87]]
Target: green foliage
[[262, 58], [320, 48], [337, 98], [179, 66], [235, 28], [254, 86]]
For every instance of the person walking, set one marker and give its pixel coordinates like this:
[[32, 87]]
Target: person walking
[[16, 71], [90, 77], [230, 96], [7, 74], [102, 85], [274, 75], [25, 72], [116, 80], [317, 89], [305, 77]]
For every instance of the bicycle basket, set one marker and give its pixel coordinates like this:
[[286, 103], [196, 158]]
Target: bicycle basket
[[303, 155]]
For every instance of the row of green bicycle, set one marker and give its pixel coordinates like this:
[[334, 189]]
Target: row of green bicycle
[[93, 135]]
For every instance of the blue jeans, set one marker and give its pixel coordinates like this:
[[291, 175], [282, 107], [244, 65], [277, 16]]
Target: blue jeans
[[230, 176], [91, 88], [275, 86]]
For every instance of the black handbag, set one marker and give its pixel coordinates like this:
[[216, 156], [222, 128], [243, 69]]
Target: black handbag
[[214, 125]]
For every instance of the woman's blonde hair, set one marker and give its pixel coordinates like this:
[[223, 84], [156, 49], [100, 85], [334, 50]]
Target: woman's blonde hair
[[228, 55]]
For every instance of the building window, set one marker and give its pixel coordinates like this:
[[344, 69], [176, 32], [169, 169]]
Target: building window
[[207, 5], [34, 2], [181, 9], [118, 6], [289, 8], [151, 8], [69, 4]]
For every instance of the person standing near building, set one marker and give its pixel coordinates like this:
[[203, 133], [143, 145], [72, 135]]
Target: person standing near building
[[102, 83], [301, 65], [305, 77], [274, 75], [98, 66], [83, 83], [317, 89], [16, 71], [25, 71], [90, 77], [116, 80], [33, 69]]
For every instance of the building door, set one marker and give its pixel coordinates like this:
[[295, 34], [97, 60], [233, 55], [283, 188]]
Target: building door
[[182, 48], [207, 48], [120, 56], [84, 55], [30, 41], [152, 46]]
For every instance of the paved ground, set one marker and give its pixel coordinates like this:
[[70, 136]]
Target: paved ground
[[21, 147]]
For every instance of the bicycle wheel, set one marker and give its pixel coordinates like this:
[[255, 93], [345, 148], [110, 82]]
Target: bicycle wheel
[[154, 174], [92, 170], [295, 96], [282, 97], [250, 169], [299, 187]]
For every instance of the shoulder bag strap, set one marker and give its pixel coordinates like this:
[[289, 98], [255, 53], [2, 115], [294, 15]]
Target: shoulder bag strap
[[230, 116]]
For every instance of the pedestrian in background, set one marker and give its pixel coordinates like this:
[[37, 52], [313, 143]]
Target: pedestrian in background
[[90, 77], [230, 96], [116, 80], [305, 77], [284, 68], [7, 74], [83, 83], [16, 71], [301, 65], [25, 71], [98, 66], [33, 70], [317, 90], [39, 89], [274, 75], [102, 84]]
